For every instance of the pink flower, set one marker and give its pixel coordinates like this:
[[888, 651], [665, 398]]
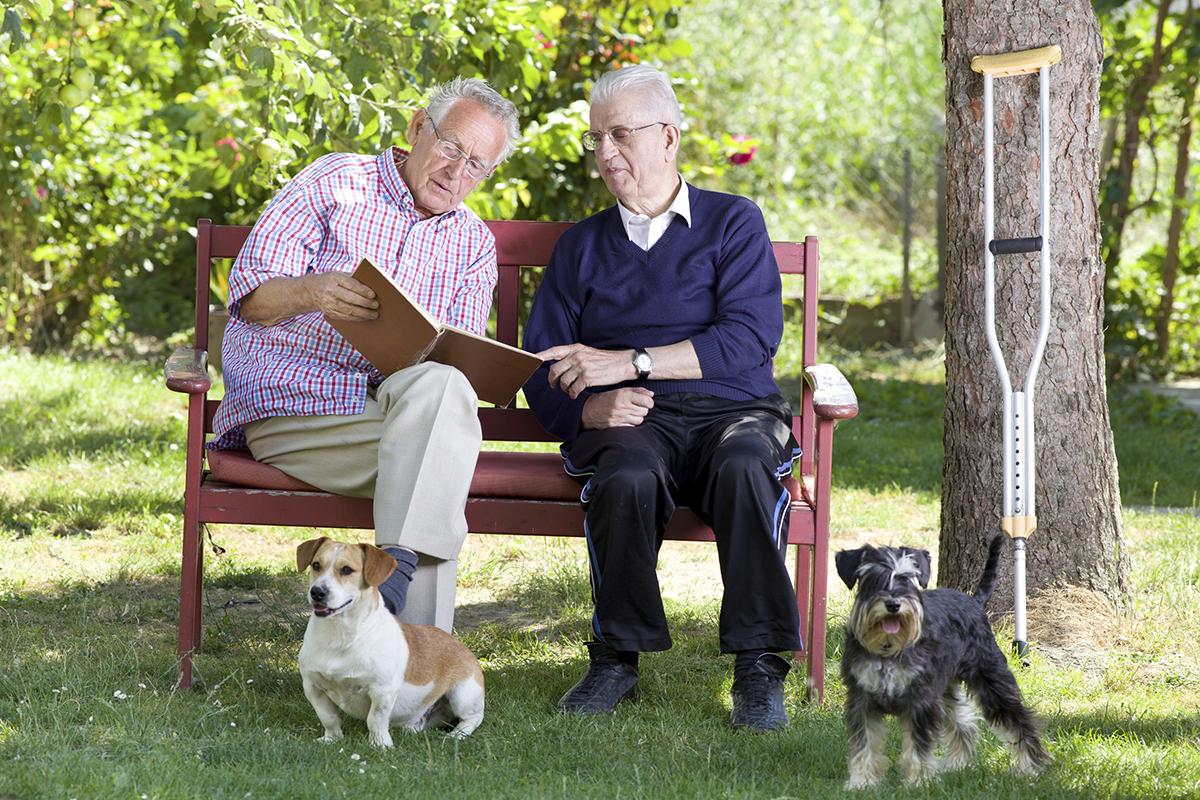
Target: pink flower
[[743, 156], [41, 192], [227, 151]]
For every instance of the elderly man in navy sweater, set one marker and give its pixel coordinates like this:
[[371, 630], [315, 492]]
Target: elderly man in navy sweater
[[659, 319]]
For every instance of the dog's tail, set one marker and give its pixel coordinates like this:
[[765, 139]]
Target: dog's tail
[[988, 581]]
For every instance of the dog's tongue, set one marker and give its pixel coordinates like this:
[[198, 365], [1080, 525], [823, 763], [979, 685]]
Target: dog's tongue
[[320, 610], [890, 625]]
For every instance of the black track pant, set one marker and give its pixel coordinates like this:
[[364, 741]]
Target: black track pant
[[722, 458]]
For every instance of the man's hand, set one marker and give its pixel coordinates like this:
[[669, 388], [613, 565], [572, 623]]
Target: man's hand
[[579, 366], [620, 408], [340, 297]]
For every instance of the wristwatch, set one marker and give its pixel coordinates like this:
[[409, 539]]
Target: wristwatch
[[642, 363]]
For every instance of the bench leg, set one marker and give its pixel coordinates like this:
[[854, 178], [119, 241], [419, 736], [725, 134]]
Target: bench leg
[[803, 593], [804, 605], [816, 647], [190, 587], [820, 565], [431, 594]]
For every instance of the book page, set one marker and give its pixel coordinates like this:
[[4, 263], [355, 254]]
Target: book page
[[496, 370], [400, 336]]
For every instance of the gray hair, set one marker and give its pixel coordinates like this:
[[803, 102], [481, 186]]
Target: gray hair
[[647, 81], [478, 91]]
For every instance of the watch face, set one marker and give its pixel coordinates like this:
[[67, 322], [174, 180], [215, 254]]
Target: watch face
[[643, 362]]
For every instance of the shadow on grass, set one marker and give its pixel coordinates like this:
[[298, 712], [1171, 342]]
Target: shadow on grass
[[63, 424], [1176, 729], [72, 648], [67, 516], [896, 439]]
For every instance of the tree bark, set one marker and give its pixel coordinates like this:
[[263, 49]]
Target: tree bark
[[1078, 538], [1166, 306]]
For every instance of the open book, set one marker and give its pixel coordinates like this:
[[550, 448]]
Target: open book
[[404, 334]]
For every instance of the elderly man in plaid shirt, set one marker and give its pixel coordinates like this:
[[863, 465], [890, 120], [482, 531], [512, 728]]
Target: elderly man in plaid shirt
[[304, 400]]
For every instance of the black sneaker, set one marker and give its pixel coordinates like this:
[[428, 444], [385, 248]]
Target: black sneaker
[[607, 682], [758, 695]]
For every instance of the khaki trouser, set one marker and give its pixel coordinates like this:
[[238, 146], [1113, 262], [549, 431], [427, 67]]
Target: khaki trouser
[[413, 449]]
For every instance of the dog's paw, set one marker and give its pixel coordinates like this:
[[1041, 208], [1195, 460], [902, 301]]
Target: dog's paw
[[330, 736], [1031, 764], [382, 742], [918, 778], [858, 782]]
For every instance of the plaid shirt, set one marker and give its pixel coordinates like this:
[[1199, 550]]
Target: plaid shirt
[[340, 209]]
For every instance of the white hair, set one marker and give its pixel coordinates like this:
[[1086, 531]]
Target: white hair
[[478, 91], [646, 81]]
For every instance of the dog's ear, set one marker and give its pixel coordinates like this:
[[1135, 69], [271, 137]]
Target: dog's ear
[[847, 562], [306, 550], [923, 565], [377, 565]]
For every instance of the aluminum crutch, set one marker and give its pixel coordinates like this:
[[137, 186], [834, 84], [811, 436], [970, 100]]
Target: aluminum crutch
[[1019, 519]]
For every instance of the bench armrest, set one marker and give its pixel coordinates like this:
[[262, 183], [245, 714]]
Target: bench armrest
[[833, 396], [187, 371]]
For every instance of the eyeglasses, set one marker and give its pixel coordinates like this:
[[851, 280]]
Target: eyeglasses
[[620, 135], [474, 168]]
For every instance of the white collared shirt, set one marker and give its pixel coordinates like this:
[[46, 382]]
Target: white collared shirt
[[644, 231]]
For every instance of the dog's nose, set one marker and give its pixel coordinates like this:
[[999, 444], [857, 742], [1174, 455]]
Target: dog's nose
[[892, 606], [318, 594]]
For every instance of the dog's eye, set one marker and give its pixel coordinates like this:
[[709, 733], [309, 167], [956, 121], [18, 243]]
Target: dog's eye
[[347, 570], [316, 565]]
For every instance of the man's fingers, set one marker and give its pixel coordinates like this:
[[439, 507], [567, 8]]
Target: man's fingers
[[642, 401], [574, 384], [556, 373], [557, 352], [354, 285], [351, 297]]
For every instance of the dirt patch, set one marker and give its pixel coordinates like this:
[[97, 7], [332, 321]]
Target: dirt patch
[[1074, 627]]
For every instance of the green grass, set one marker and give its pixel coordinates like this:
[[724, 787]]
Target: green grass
[[90, 477]]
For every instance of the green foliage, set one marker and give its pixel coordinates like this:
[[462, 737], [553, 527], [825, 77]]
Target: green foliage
[[1135, 285], [1136, 293], [830, 94], [127, 121]]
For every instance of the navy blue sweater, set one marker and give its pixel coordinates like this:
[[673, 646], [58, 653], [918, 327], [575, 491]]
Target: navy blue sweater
[[715, 283]]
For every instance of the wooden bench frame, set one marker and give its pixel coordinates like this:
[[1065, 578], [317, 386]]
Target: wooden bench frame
[[826, 398]]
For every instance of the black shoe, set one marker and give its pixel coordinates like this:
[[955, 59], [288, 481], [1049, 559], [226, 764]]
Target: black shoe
[[758, 695], [607, 682]]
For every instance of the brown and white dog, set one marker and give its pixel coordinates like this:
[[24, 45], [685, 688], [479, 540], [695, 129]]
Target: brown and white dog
[[361, 660]]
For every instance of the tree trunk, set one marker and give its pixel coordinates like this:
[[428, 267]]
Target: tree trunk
[[1166, 304], [1078, 538], [940, 302]]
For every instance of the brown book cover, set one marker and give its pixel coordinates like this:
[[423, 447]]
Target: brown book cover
[[405, 333]]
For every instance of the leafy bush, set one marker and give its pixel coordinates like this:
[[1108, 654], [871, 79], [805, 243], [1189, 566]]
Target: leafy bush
[[1133, 307], [126, 122]]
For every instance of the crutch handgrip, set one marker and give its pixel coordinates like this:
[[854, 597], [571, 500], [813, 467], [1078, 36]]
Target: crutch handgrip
[[1022, 62], [1008, 247]]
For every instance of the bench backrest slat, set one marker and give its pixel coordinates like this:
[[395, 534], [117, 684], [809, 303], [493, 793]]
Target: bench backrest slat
[[522, 245]]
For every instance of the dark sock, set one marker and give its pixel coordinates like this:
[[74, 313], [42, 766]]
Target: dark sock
[[601, 653], [395, 589], [743, 663]]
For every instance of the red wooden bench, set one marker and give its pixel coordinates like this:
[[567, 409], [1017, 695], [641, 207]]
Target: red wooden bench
[[513, 493]]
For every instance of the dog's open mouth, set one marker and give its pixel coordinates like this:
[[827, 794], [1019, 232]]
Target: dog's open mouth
[[890, 625], [322, 610]]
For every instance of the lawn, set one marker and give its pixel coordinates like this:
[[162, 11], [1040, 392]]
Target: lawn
[[90, 475]]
